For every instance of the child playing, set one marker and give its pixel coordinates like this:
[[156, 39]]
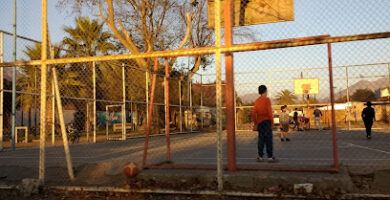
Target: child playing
[[284, 121]]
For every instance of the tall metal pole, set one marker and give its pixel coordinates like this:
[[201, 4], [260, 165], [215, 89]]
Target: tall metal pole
[[334, 138], [201, 101], [132, 116], [303, 96], [269, 82], [43, 93], [308, 101], [388, 90], [188, 105], [1, 88], [51, 53], [62, 124], [149, 123], [235, 109], [191, 111], [229, 87], [218, 93], [88, 124], [165, 101], [14, 82], [180, 108], [53, 114], [35, 101], [348, 99], [167, 131], [147, 95], [124, 102], [107, 120], [94, 100]]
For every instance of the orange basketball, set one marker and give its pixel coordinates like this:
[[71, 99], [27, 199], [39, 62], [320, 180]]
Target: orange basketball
[[130, 169]]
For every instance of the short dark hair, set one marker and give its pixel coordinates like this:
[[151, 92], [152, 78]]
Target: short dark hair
[[282, 107], [262, 89], [369, 103]]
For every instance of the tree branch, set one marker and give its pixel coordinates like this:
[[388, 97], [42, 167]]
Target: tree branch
[[123, 36]]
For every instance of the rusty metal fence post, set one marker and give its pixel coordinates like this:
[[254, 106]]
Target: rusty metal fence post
[[94, 100], [229, 94], [43, 93], [348, 98], [218, 94], [147, 94], [1, 88], [180, 106], [333, 116], [155, 68], [388, 91], [167, 121], [53, 114], [123, 102], [201, 102]]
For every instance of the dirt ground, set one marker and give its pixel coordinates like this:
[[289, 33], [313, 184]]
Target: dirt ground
[[65, 195]]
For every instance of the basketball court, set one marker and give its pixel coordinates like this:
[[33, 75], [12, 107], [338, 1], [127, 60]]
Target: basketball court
[[100, 82], [306, 149]]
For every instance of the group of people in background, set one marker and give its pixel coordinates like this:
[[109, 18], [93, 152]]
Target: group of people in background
[[262, 117]]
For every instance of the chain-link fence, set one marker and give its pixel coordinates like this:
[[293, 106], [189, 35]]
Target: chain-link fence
[[119, 91], [20, 85], [354, 86]]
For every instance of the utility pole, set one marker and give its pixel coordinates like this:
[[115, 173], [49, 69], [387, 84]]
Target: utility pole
[[13, 117]]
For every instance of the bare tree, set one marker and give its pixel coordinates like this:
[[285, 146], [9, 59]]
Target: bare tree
[[150, 25], [147, 24]]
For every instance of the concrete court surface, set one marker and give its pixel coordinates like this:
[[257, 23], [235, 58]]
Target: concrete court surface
[[306, 149]]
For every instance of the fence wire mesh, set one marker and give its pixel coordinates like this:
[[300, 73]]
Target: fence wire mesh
[[105, 100]]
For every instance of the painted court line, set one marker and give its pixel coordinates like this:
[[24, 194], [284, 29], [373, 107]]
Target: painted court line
[[296, 159], [368, 148]]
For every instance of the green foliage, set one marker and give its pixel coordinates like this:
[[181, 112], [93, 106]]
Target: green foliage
[[87, 39], [363, 95], [285, 97], [341, 99], [313, 100], [30, 76]]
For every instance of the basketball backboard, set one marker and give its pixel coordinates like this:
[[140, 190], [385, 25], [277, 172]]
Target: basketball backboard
[[250, 12], [306, 86]]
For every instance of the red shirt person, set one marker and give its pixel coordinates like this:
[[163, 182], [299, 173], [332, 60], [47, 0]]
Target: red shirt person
[[263, 122]]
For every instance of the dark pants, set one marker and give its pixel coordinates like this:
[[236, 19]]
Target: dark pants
[[296, 124], [265, 138], [368, 125]]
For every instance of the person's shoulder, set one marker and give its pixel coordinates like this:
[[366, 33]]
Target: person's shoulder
[[258, 99]]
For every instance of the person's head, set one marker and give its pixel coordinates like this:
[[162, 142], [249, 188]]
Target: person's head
[[368, 104], [263, 90], [283, 108], [296, 109]]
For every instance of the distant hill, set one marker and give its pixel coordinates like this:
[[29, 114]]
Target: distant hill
[[249, 98], [8, 73], [363, 84]]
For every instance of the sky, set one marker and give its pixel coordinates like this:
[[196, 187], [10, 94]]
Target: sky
[[312, 17]]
